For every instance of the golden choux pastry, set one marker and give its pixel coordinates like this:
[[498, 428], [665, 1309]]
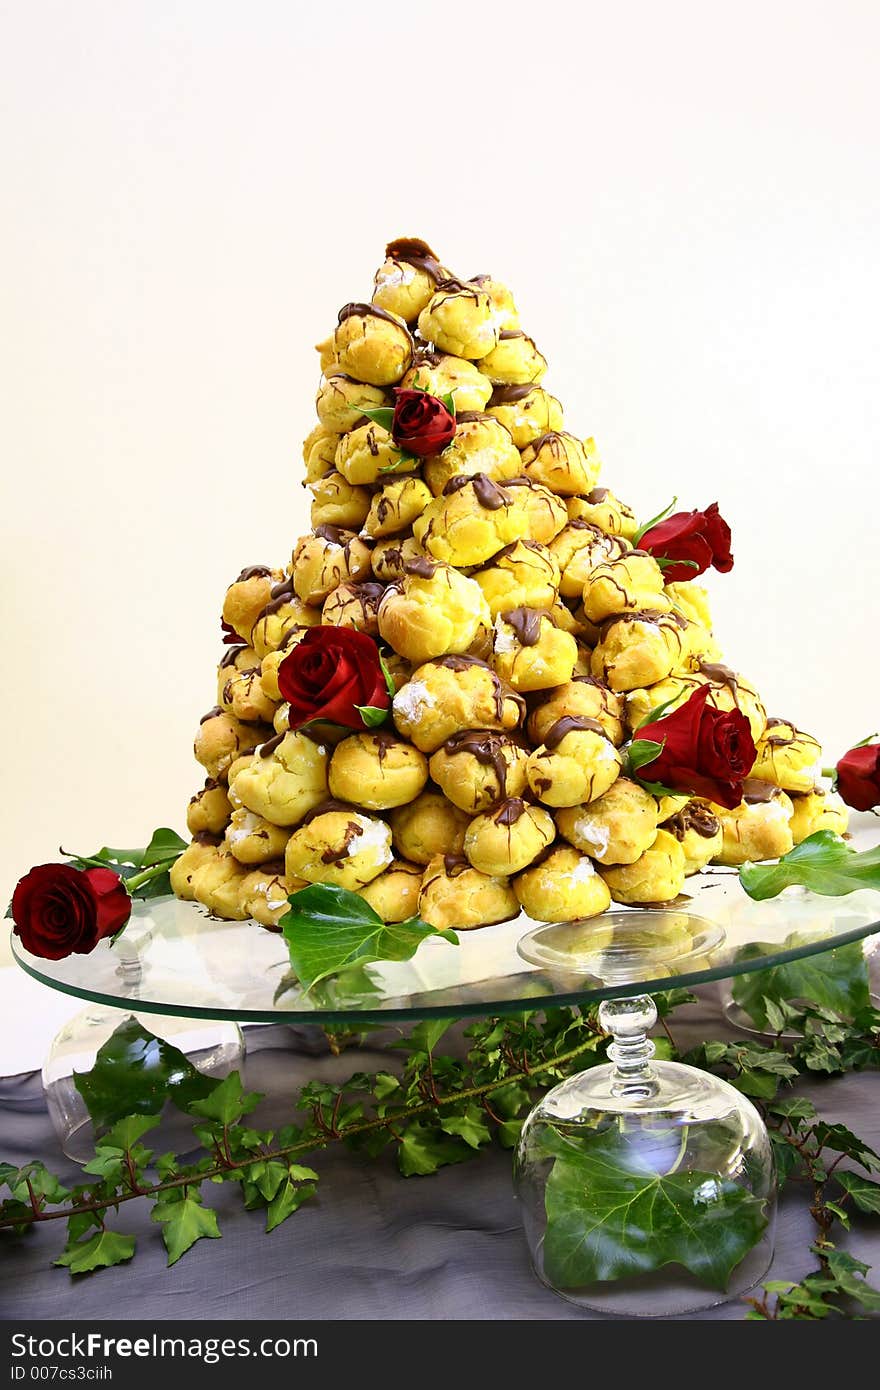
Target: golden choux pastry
[[377, 770], [657, 876], [399, 670], [246, 598], [471, 520], [629, 584], [502, 301], [428, 826], [788, 757], [454, 693], [759, 828], [530, 652], [669, 804], [601, 508], [372, 345], [252, 839], [574, 765], [354, 605], [522, 575], [458, 896], [817, 810], [272, 660], [559, 461], [442, 375], [390, 557], [368, 454], [730, 690], [326, 351], [283, 613], [561, 887], [544, 513], [394, 894], [699, 645], [583, 695], [233, 660], [514, 361], [460, 319], [691, 601], [319, 452], [578, 549], [432, 611], [338, 503], [480, 445], [341, 403], [395, 506], [326, 559], [202, 850], [235, 768], [286, 779], [698, 831], [407, 278], [264, 893], [222, 738], [339, 844], [616, 828], [638, 649], [216, 884], [242, 693], [507, 838], [527, 411], [209, 810], [477, 768]]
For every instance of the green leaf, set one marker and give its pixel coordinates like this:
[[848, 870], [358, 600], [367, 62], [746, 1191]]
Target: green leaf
[[449, 401], [372, 715], [793, 1108], [643, 751], [165, 844], [659, 710], [610, 1215], [295, 1190], [470, 1126], [667, 564], [126, 1133], [822, 863], [836, 979], [34, 1178], [864, 1192], [183, 1223], [841, 1140], [8, 1171], [328, 929], [423, 1150], [102, 1250], [646, 526], [135, 1073], [425, 1036], [381, 415], [227, 1102]]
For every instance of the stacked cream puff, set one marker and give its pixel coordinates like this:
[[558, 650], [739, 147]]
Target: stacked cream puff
[[527, 637]]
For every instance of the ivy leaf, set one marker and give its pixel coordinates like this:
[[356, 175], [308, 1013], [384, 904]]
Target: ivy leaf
[[227, 1102], [864, 1192], [842, 1141], [372, 715], [611, 1216], [470, 1126], [836, 979], [643, 751], [8, 1171], [102, 1250], [184, 1222], [823, 863], [126, 1133], [329, 928], [423, 1150], [646, 526], [296, 1189], [135, 1073]]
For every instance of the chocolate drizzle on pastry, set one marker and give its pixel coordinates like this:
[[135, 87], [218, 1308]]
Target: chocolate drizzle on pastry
[[695, 816], [205, 837], [268, 748], [569, 724], [757, 792], [507, 395], [487, 747], [253, 572], [597, 496], [355, 310], [212, 714], [420, 566], [455, 865], [526, 623], [510, 811], [411, 250], [487, 493]]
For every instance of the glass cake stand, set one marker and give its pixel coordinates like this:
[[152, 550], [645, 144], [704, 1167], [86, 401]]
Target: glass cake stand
[[609, 1151]]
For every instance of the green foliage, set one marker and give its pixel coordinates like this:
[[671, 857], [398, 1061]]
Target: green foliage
[[184, 1221], [643, 751], [100, 1251], [135, 1073], [611, 1214], [372, 715], [145, 872], [823, 863], [329, 929], [836, 979]]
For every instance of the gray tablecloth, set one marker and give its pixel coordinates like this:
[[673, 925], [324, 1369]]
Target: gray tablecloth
[[373, 1245]]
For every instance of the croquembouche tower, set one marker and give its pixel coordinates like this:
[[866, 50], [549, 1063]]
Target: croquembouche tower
[[526, 625]]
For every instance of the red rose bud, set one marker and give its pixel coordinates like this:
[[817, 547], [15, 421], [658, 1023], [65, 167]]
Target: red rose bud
[[60, 911], [701, 538], [707, 752], [421, 425], [329, 674], [858, 777]]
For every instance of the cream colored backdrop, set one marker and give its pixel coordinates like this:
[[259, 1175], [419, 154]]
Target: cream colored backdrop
[[684, 197]]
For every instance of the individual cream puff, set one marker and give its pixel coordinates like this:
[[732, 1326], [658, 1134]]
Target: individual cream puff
[[441, 375], [428, 826], [530, 652], [579, 549], [396, 506], [657, 876], [285, 781], [405, 282], [394, 894], [368, 453], [338, 503], [575, 764], [507, 838], [481, 444], [787, 757], [759, 828], [222, 738], [817, 810], [638, 649], [601, 508], [372, 345], [209, 810], [630, 584], [377, 770], [478, 768], [452, 694], [341, 403], [455, 895], [460, 319], [522, 575], [246, 598], [340, 845], [432, 611], [616, 828], [252, 839], [323, 561], [562, 887], [583, 695], [514, 361], [698, 831], [527, 411], [559, 461]]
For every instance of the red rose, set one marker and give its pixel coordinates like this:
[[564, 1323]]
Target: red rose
[[421, 425], [858, 777], [329, 674], [706, 751], [701, 537], [59, 910]]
